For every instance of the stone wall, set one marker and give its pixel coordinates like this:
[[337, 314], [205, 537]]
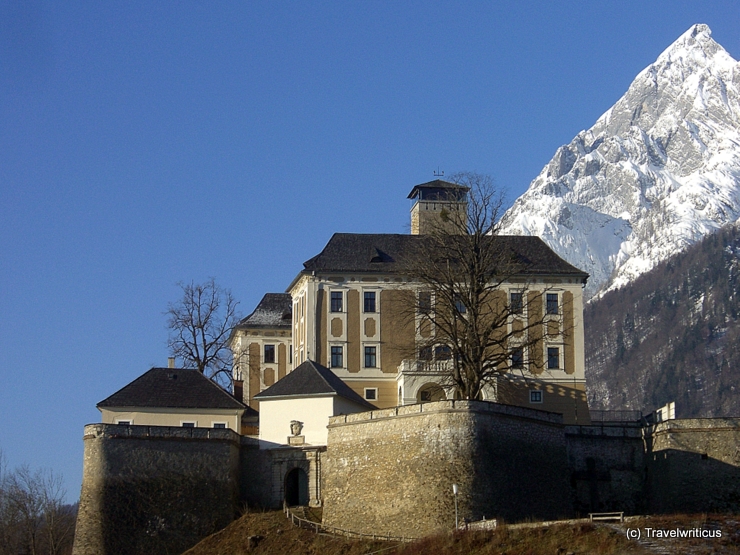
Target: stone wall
[[607, 468], [151, 490], [391, 471], [263, 473], [694, 465]]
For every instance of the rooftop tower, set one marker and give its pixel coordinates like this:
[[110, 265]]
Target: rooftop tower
[[437, 205]]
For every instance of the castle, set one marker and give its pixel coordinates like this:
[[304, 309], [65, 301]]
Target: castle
[[355, 415]]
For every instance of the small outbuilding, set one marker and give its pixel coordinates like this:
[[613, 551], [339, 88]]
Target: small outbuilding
[[296, 409], [174, 397]]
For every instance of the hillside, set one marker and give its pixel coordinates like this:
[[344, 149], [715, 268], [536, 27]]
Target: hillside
[[656, 173], [279, 536], [671, 335]]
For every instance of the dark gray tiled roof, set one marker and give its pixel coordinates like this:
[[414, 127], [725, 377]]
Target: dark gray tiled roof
[[273, 311], [172, 388], [311, 378], [386, 253], [438, 190]]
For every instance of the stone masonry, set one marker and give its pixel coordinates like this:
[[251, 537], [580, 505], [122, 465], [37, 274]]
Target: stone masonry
[[151, 490], [392, 471]]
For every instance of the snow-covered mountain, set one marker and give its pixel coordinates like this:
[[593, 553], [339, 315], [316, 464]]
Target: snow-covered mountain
[[657, 172]]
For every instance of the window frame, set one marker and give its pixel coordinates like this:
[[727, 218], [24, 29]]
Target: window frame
[[268, 347], [340, 354], [459, 304], [370, 351], [336, 302], [516, 307], [367, 298], [518, 363], [374, 396], [553, 356], [535, 396], [552, 304]]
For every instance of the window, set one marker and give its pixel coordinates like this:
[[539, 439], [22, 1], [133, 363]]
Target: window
[[459, 304], [371, 393], [290, 355], [269, 353], [219, 425], [517, 358], [337, 357], [516, 303], [425, 353], [442, 352], [552, 303], [370, 357], [123, 422], [425, 302], [535, 396], [553, 358], [369, 301], [336, 301], [188, 424]]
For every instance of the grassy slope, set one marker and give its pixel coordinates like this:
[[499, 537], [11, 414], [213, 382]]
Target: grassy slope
[[281, 537]]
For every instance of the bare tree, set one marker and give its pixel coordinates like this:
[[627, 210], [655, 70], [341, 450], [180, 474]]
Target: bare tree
[[200, 324], [470, 327], [33, 516]]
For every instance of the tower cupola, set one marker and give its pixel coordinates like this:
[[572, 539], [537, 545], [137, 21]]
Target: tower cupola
[[438, 205]]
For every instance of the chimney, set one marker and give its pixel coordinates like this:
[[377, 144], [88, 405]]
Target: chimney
[[171, 362]]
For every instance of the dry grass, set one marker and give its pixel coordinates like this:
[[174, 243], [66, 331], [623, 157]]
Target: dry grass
[[279, 536], [727, 525]]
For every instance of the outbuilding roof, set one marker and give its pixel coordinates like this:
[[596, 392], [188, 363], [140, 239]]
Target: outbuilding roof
[[172, 388], [311, 378], [390, 253]]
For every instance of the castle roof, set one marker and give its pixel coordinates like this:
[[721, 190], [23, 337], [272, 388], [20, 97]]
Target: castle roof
[[312, 379], [390, 253], [273, 311], [172, 388], [439, 190]]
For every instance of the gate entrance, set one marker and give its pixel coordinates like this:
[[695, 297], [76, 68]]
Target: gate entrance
[[296, 487]]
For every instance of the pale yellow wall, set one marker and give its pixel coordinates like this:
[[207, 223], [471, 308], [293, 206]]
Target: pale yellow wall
[[393, 332], [173, 417], [247, 347]]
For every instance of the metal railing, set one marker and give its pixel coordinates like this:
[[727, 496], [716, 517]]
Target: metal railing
[[320, 528]]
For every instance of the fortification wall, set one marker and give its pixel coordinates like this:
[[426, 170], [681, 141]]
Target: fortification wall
[[607, 468], [264, 471], [391, 471], [151, 490], [694, 465]]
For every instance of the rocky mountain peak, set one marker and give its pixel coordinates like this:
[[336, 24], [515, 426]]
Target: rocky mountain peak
[[657, 172]]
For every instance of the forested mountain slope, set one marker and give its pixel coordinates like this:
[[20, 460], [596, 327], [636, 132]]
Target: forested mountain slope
[[671, 335]]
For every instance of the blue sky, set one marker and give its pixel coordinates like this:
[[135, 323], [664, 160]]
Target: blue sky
[[146, 143]]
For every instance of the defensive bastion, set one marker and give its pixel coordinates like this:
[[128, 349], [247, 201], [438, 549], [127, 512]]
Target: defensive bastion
[[150, 490]]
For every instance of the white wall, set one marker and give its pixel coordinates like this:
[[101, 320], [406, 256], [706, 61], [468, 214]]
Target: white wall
[[314, 412]]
